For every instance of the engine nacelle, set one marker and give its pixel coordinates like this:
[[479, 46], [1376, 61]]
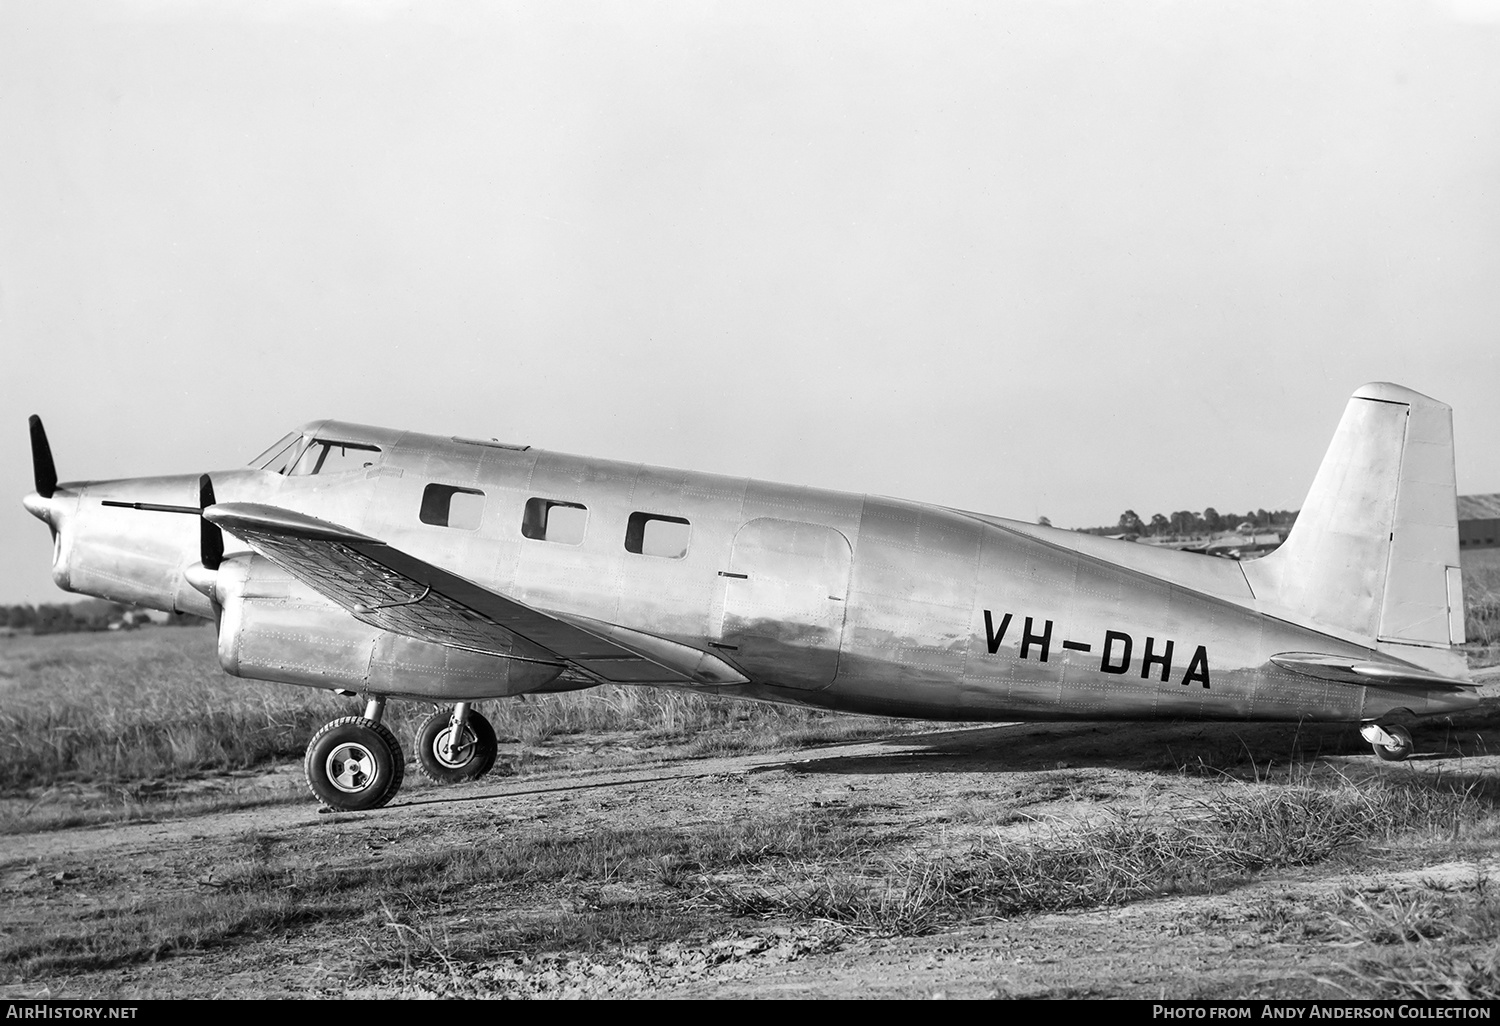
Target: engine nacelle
[[273, 627], [107, 544]]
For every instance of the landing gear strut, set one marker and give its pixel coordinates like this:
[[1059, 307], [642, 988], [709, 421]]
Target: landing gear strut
[[1391, 741], [456, 746], [355, 763]]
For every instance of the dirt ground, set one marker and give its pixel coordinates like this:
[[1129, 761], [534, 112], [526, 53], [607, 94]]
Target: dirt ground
[[937, 792]]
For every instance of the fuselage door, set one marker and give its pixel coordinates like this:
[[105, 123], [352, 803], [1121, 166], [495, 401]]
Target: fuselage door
[[784, 599]]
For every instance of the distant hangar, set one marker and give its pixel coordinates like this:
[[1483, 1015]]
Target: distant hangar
[[1479, 528]]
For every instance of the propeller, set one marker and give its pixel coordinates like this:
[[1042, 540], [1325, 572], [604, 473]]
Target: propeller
[[42, 466], [204, 575], [210, 538]]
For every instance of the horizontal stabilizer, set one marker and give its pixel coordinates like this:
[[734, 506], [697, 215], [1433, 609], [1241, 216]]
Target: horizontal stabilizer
[[1367, 672]]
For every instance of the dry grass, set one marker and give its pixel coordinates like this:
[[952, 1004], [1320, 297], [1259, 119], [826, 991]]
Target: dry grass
[[1482, 605], [1427, 944], [1119, 859], [432, 904], [443, 907], [154, 703]]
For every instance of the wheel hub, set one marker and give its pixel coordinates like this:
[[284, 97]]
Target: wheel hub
[[351, 767], [451, 755]]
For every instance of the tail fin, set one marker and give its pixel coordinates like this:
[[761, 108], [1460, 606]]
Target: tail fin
[[1373, 556]]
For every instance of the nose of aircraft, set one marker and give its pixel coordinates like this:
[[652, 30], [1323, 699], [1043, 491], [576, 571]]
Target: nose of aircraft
[[57, 511]]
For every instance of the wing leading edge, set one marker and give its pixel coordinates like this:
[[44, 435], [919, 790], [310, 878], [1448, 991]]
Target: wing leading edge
[[393, 590]]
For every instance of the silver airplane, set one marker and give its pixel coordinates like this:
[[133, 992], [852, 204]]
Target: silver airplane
[[391, 564]]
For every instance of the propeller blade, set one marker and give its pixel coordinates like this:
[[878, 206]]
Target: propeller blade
[[210, 538], [42, 466]]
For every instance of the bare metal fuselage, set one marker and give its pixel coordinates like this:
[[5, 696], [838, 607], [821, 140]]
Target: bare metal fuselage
[[845, 601]]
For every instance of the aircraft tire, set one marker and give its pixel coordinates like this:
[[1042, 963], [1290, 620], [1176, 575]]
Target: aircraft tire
[[354, 764], [1403, 748], [473, 760]]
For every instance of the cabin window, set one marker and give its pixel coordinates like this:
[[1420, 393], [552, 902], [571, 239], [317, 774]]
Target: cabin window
[[555, 521], [655, 534], [449, 506], [323, 456]]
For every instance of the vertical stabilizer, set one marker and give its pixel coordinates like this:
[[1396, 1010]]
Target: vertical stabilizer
[[1373, 556]]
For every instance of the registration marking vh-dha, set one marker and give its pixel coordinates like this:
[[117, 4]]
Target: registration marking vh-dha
[[401, 565]]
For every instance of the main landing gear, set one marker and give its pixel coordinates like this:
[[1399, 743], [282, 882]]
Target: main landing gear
[[455, 747], [355, 763], [1391, 741]]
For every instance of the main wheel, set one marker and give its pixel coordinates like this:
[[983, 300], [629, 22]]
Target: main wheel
[[444, 761], [1401, 749], [354, 764]]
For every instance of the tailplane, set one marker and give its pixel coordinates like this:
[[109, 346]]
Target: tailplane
[[1373, 556]]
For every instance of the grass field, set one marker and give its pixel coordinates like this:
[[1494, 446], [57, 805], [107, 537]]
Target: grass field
[[1482, 601], [117, 707], [451, 917]]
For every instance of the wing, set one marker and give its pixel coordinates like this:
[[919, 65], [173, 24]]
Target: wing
[[382, 586]]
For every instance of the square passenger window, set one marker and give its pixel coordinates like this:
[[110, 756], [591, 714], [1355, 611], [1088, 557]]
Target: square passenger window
[[448, 506], [554, 521], [655, 534]]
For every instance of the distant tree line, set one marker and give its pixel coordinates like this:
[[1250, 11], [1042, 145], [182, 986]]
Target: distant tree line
[[1187, 524], [71, 617]]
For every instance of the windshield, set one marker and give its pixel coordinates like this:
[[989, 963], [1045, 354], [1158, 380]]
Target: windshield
[[279, 456], [326, 456], [296, 455]]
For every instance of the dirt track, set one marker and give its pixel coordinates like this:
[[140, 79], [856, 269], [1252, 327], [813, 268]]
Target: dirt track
[[936, 793]]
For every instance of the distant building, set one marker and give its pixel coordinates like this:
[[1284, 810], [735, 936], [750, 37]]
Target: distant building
[[1479, 530], [1478, 521]]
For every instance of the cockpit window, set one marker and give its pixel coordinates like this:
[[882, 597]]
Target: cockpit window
[[278, 457], [326, 456]]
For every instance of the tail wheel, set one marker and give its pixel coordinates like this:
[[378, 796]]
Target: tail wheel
[[445, 759], [1401, 749], [354, 764]]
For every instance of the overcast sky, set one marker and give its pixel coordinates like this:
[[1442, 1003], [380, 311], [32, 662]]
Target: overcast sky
[[1029, 258]]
